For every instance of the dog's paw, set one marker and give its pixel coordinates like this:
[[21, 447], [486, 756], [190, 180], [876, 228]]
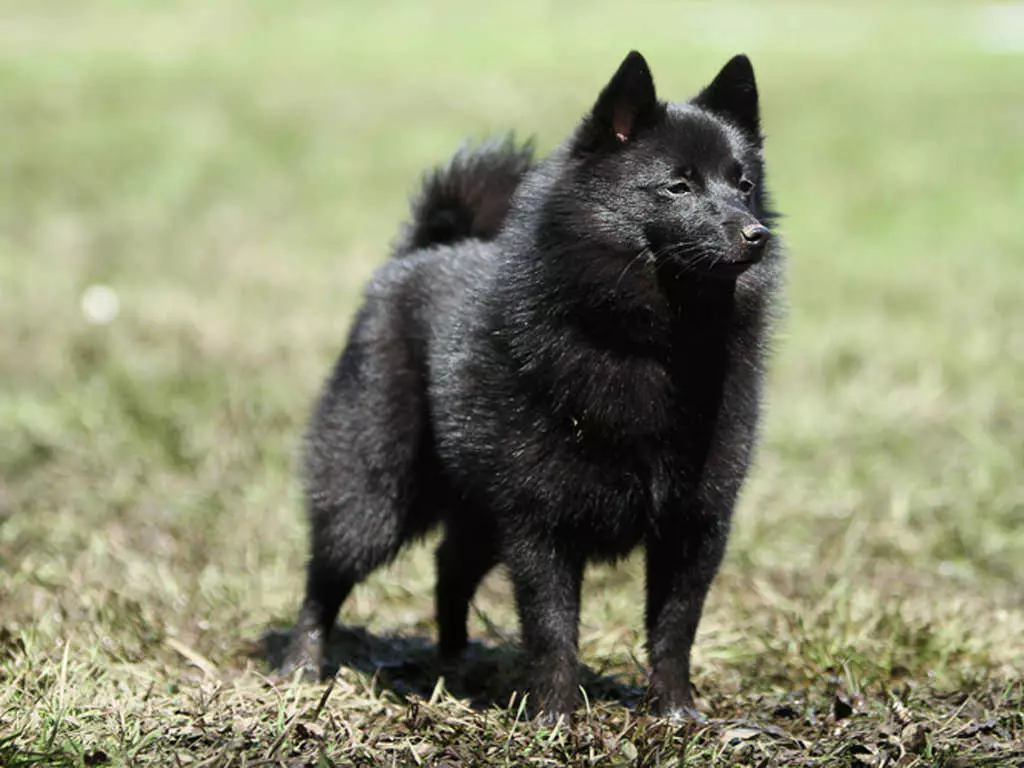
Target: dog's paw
[[302, 660], [684, 716]]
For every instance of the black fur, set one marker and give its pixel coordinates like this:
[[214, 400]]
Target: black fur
[[468, 198], [581, 382]]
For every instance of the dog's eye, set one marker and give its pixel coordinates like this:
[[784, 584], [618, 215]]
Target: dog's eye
[[746, 186], [678, 188]]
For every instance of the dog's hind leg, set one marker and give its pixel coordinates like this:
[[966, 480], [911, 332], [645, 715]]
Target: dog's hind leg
[[464, 557], [363, 455], [326, 590]]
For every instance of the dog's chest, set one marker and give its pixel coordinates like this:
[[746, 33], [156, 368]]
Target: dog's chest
[[607, 496]]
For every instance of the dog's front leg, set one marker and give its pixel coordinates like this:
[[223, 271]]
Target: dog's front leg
[[682, 559], [547, 588]]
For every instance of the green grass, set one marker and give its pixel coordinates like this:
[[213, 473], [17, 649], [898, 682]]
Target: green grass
[[234, 171]]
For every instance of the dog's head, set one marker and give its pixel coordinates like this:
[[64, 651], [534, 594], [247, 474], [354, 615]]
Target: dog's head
[[680, 184]]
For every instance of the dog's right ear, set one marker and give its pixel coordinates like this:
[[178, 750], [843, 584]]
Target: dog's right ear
[[626, 106]]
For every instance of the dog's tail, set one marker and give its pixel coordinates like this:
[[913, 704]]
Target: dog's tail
[[468, 198]]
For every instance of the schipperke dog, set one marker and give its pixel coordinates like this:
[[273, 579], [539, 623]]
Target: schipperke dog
[[563, 362]]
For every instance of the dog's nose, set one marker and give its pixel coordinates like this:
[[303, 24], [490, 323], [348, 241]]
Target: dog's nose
[[755, 235]]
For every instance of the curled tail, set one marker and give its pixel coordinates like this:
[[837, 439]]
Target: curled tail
[[468, 198]]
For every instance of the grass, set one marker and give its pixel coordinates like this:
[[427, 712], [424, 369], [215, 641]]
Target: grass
[[234, 171]]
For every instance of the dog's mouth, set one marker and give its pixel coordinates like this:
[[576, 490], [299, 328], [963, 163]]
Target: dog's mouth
[[728, 268], [687, 261]]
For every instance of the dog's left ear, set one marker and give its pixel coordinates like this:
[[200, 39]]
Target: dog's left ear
[[626, 106], [733, 95]]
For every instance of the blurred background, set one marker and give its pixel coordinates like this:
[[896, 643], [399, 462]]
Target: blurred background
[[192, 195]]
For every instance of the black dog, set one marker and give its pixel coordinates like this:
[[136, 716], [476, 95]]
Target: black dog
[[565, 362]]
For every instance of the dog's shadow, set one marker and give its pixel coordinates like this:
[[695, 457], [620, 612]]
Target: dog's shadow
[[486, 676]]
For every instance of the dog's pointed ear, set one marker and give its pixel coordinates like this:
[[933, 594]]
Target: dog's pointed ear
[[733, 95], [626, 106]]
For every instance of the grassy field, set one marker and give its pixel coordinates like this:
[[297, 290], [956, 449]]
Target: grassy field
[[235, 170]]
